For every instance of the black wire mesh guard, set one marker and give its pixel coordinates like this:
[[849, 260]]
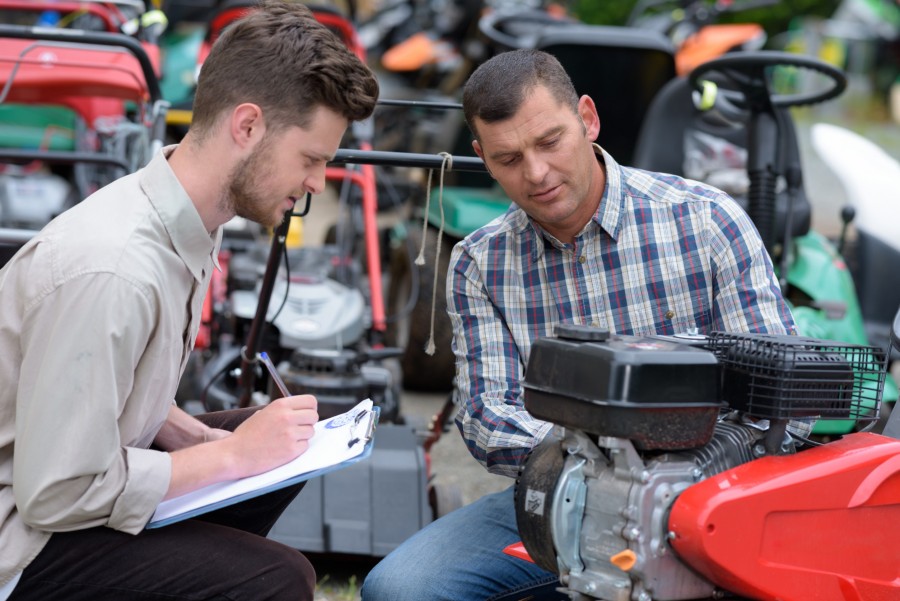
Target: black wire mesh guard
[[788, 377]]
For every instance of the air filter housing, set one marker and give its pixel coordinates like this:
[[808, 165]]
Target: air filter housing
[[788, 377]]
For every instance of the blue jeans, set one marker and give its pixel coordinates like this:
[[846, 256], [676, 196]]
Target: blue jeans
[[460, 557]]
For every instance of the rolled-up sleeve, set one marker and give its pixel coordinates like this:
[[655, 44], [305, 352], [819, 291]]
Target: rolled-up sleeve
[[83, 344]]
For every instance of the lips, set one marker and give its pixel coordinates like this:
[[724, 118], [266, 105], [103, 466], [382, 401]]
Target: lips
[[546, 194]]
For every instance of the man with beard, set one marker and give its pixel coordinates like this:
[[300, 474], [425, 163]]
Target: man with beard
[[99, 312]]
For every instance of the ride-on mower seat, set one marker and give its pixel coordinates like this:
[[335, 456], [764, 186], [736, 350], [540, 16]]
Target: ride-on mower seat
[[622, 69]]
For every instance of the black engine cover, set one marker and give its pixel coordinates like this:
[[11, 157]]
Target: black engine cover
[[657, 392]]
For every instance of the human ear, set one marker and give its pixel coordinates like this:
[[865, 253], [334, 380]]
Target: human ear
[[477, 148], [589, 117], [247, 124]]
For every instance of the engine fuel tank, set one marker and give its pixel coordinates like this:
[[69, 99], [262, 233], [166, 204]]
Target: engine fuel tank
[[658, 393]]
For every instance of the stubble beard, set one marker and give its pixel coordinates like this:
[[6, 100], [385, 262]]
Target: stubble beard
[[242, 197]]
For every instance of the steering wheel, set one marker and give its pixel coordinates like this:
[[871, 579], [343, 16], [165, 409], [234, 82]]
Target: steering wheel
[[521, 28], [747, 71]]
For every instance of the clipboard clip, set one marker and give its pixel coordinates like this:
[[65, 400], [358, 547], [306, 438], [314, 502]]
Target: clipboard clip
[[362, 427]]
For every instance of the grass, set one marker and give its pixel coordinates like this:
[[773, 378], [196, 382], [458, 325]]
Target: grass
[[344, 590]]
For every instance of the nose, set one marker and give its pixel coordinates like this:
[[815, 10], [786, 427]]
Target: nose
[[315, 181], [535, 168]]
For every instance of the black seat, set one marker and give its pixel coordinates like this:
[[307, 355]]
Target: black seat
[[620, 68], [661, 147]]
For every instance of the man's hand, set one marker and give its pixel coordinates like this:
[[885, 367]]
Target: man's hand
[[274, 435]]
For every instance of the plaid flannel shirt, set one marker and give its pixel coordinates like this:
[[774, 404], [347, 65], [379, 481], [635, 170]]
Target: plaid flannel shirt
[[662, 255]]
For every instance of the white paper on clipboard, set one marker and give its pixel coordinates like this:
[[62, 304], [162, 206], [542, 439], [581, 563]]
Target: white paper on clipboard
[[338, 442]]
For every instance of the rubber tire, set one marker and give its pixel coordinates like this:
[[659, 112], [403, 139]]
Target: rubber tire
[[422, 372], [444, 498], [539, 475]]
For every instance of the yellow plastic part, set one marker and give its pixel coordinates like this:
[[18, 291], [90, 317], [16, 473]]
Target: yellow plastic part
[[295, 233], [708, 95]]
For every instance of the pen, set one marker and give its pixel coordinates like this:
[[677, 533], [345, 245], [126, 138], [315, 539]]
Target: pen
[[275, 377]]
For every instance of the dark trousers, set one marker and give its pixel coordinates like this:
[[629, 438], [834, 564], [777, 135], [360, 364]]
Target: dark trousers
[[222, 556]]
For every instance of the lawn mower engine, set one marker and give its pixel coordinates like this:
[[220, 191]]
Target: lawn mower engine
[[317, 324], [638, 420], [31, 200]]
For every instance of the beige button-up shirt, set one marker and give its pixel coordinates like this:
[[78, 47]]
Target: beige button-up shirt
[[97, 316]]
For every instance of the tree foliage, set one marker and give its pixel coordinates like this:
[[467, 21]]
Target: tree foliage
[[775, 19]]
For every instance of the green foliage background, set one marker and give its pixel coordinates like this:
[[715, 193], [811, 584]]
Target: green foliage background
[[775, 19]]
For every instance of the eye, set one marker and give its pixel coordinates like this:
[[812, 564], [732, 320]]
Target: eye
[[550, 143], [508, 161], [310, 162]]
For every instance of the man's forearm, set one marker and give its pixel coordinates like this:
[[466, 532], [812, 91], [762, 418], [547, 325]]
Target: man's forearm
[[181, 430]]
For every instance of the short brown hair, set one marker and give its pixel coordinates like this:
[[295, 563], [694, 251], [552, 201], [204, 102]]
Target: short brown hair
[[496, 90], [281, 58]]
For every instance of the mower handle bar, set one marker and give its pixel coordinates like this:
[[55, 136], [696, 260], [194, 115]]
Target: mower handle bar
[[346, 156], [79, 36], [429, 104]]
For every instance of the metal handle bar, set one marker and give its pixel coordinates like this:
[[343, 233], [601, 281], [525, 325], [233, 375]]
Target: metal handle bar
[[15, 236], [346, 156], [90, 37], [429, 104]]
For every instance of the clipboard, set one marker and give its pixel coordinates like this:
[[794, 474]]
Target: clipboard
[[338, 442]]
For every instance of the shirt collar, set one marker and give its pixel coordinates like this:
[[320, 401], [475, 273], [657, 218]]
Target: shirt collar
[[179, 215], [609, 211]]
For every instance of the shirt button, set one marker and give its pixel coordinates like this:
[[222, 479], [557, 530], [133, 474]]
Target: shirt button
[[670, 314], [582, 259]]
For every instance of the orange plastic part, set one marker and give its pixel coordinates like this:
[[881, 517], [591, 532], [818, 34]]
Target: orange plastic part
[[624, 560], [712, 41], [518, 550], [411, 54]]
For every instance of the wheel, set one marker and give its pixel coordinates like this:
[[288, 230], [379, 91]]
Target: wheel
[[444, 498], [409, 324], [534, 494]]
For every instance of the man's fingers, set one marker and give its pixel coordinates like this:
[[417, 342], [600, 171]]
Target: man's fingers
[[305, 432], [300, 401], [301, 409]]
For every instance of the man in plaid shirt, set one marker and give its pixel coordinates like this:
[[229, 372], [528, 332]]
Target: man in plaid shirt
[[586, 241]]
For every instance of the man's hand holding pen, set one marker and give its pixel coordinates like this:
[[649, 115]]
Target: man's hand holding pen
[[276, 434], [272, 436], [280, 431]]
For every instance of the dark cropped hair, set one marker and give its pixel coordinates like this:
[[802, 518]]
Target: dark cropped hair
[[281, 58], [496, 90]]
